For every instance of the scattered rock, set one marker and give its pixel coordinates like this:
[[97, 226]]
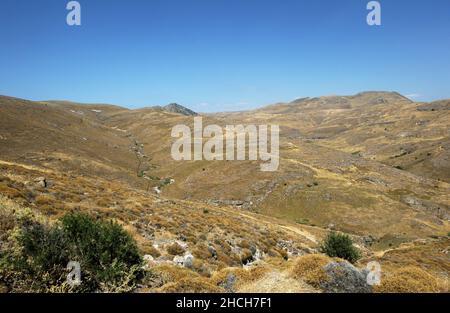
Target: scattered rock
[[375, 181], [258, 255], [178, 260], [149, 261], [182, 244], [184, 261], [288, 246], [213, 251], [440, 211], [188, 260], [240, 204], [368, 240], [157, 190], [41, 182]]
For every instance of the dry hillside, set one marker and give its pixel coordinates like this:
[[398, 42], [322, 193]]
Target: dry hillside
[[374, 166]]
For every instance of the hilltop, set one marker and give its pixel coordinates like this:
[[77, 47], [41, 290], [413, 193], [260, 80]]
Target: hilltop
[[173, 108]]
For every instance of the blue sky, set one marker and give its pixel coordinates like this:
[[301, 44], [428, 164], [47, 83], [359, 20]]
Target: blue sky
[[218, 55]]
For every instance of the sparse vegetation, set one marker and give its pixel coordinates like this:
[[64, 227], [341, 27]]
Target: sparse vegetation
[[340, 246]]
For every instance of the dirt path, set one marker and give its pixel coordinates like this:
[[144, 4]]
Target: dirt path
[[277, 282], [302, 233]]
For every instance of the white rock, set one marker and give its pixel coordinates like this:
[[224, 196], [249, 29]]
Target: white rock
[[178, 260], [188, 260], [157, 190], [182, 244]]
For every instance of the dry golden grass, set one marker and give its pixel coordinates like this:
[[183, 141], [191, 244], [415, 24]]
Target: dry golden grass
[[44, 199], [201, 251], [103, 203], [243, 276], [191, 285], [411, 279], [10, 192], [309, 268], [172, 273], [149, 249], [175, 249], [172, 278]]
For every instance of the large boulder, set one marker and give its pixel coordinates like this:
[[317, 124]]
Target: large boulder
[[343, 277]]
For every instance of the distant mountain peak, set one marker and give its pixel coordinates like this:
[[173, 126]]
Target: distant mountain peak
[[177, 108]]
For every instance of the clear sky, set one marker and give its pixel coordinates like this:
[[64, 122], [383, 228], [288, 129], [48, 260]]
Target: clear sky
[[218, 55]]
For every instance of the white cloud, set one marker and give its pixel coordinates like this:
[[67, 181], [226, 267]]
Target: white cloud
[[413, 96]]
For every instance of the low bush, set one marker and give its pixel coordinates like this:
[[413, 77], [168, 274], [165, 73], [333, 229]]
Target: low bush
[[105, 250], [340, 246], [108, 256]]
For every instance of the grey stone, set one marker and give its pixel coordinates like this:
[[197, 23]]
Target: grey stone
[[188, 261], [213, 251], [343, 277], [229, 283]]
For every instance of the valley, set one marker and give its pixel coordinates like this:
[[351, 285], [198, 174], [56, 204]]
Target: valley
[[374, 165]]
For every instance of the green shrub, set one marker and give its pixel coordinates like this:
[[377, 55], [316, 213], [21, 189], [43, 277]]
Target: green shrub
[[108, 256], [341, 246], [104, 249], [48, 247]]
